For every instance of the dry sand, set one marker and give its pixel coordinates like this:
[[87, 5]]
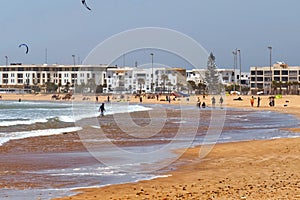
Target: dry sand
[[243, 170]]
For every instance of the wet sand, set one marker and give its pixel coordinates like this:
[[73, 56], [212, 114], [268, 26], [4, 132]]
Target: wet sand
[[243, 170]]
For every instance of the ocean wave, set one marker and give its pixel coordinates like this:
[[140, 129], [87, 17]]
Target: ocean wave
[[22, 122], [6, 137]]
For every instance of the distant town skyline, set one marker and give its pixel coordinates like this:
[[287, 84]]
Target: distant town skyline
[[66, 28]]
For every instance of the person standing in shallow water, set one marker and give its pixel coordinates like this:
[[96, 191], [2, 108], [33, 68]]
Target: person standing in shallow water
[[221, 101], [258, 101], [198, 103], [252, 101], [102, 109], [213, 101]]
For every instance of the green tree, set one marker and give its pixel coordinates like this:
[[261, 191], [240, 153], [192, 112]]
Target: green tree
[[164, 77], [211, 76], [191, 85], [51, 87], [141, 82], [91, 84]]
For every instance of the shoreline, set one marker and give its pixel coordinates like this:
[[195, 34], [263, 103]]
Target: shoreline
[[235, 162], [185, 173]]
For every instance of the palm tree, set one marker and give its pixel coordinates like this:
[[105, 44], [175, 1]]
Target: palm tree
[[191, 86], [280, 84], [289, 84], [91, 84], [141, 82], [295, 87], [275, 85], [164, 77], [59, 86]]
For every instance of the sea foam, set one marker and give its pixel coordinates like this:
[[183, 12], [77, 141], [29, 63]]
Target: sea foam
[[6, 137]]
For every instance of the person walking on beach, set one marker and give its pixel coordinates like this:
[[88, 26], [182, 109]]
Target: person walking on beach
[[221, 101], [108, 99], [96, 98], [258, 101], [198, 103], [252, 101], [102, 109], [213, 101]]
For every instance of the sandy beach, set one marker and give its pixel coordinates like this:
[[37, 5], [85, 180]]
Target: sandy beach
[[241, 170]]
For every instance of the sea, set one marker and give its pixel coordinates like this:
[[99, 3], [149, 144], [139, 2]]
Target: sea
[[27, 119]]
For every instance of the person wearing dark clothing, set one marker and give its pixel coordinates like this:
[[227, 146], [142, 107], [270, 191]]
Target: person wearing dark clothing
[[108, 99], [213, 101], [203, 105], [198, 103], [221, 101], [258, 101], [102, 109]]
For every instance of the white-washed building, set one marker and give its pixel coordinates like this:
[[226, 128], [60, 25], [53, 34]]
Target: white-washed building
[[135, 80], [18, 75], [280, 76]]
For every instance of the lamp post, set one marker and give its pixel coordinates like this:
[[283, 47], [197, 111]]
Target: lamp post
[[73, 71], [152, 54], [240, 78], [6, 64], [271, 76], [234, 67]]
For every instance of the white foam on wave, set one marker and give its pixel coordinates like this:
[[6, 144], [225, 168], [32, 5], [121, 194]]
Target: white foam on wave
[[6, 137], [23, 122]]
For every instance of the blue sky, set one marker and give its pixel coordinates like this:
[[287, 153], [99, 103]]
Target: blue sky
[[65, 27]]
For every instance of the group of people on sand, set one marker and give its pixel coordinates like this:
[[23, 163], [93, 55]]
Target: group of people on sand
[[213, 102], [271, 101]]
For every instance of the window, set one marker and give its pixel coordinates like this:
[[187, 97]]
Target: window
[[285, 79], [285, 72], [20, 75], [276, 72], [276, 78], [259, 78], [260, 72]]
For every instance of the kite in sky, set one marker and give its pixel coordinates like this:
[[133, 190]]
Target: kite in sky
[[26, 46], [85, 5]]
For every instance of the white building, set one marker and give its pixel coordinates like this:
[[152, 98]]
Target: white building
[[226, 76], [135, 80], [18, 75], [280, 78]]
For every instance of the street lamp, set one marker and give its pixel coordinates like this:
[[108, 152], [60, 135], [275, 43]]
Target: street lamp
[[271, 76], [152, 54], [234, 66], [6, 63], [73, 72], [240, 78]]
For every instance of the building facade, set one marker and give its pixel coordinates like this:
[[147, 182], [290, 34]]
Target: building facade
[[18, 75], [277, 79], [136, 80]]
